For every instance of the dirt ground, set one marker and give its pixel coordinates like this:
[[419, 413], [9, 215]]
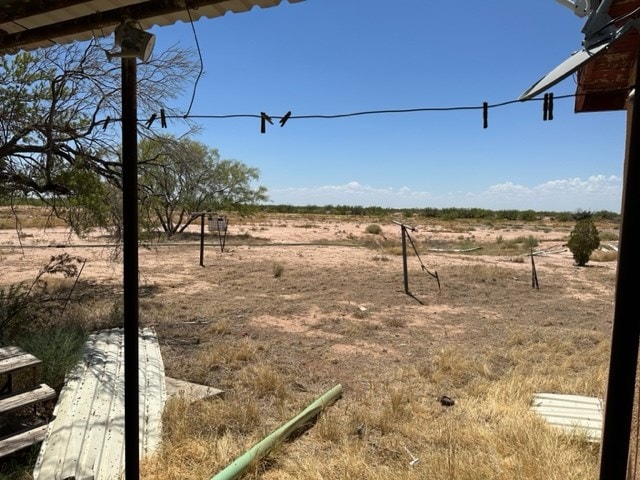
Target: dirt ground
[[324, 301]]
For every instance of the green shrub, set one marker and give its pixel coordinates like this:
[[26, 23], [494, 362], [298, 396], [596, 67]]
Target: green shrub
[[15, 309], [531, 242], [59, 347], [583, 240]]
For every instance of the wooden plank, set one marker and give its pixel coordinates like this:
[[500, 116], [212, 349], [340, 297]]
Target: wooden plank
[[39, 394], [22, 440], [10, 351], [14, 358]]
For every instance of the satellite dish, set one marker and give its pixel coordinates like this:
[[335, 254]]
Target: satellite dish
[[599, 33]]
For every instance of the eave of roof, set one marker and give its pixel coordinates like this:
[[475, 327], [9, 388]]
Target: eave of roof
[[604, 82], [31, 24]]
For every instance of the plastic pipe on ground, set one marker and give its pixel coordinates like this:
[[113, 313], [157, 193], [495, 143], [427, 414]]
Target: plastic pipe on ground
[[260, 449]]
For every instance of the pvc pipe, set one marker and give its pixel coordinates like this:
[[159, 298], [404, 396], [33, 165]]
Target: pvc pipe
[[260, 449]]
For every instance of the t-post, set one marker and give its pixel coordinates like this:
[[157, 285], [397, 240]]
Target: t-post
[[201, 214], [404, 229]]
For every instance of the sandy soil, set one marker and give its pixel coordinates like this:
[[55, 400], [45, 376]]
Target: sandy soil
[[336, 313]]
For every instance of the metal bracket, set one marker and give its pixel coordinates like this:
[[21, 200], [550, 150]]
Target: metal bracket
[[598, 28], [581, 8]]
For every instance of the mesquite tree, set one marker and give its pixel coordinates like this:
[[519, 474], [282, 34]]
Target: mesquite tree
[[180, 176], [60, 110]]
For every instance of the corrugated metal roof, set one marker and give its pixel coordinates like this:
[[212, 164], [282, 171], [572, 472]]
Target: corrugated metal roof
[[30, 24], [85, 439], [572, 413]]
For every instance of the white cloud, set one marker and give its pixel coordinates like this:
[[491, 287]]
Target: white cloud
[[597, 192]]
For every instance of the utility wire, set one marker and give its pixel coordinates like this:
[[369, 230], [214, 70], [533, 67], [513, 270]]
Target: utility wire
[[195, 85]]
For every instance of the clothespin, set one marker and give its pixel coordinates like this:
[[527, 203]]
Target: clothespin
[[547, 107], [163, 119], [284, 119], [151, 119], [106, 122], [264, 118], [485, 114]]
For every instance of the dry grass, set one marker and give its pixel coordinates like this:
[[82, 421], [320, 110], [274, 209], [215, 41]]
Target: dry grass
[[390, 412], [22, 216], [603, 256], [489, 433]]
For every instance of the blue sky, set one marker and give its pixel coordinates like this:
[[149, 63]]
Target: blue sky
[[324, 57]]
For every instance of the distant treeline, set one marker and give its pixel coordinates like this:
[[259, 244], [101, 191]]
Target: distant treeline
[[428, 212], [441, 213]]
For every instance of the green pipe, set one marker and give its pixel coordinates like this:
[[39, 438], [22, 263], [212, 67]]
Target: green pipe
[[260, 449]]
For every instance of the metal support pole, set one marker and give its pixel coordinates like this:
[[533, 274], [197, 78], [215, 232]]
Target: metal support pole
[[614, 452], [202, 240], [404, 260], [130, 267]]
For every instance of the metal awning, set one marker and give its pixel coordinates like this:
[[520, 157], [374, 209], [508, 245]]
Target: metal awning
[[30, 24]]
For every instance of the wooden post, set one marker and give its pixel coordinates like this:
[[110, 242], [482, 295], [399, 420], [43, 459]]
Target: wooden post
[[618, 413], [534, 274], [404, 253], [404, 260]]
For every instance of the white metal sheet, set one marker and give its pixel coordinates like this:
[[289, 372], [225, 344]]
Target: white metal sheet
[[562, 71], [85, 439], [575, 414]]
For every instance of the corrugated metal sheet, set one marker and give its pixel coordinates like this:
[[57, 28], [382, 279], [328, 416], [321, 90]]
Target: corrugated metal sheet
[[83, 20], [574, 414], [85, 439]]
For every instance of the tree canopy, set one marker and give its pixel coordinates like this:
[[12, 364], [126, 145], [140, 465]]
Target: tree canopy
[[181, 176], [54, 106], [60, 112]]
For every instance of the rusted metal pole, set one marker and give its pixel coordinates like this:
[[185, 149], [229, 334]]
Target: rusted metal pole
[[614, 452], [130, 266]]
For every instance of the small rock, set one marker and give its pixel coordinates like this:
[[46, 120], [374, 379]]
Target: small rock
[[446, 401]]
